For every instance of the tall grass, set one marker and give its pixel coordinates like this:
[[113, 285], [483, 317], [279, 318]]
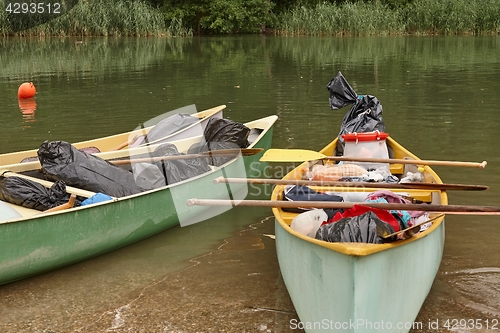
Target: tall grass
[[102, 18], [177, 28], [418, 17], [454, 16], [346, 19]]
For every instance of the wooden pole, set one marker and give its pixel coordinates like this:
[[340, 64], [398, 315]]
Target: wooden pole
[[448, 209], [302, 155], [410, 231], [481, 165], [126, 143], [413, 186], [211, 153]]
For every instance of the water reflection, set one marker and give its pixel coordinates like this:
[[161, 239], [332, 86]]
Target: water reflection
[[28, 108]]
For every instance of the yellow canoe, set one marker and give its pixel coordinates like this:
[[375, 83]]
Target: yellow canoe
[[357, 287]]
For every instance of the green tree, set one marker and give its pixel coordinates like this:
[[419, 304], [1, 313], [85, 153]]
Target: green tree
[[237, 16], [221, 16]]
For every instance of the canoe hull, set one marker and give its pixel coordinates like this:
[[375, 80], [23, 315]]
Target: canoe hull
[[331, 290], [42, 243]]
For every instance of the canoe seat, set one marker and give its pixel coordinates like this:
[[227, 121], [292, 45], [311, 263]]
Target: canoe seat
[[397, 168]]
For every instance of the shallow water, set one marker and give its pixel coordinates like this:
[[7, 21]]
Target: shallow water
[[440, 99]]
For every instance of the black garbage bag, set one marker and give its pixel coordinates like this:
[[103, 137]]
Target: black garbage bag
[[365, 114], [27, 193], [364, 228], [182, 169], [61, 161], [222, 134], [167, 126], [305, 193]]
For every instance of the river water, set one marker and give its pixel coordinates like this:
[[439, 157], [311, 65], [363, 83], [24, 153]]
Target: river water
[[441, 101]]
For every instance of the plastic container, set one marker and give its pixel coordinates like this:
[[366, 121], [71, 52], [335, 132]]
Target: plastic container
[[367, 145]]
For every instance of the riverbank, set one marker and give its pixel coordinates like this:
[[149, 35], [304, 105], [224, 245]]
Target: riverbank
[[137, 18]]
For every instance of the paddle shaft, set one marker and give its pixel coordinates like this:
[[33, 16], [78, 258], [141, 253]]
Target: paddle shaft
[[448, 209], [481, 165], [126, 143], [207, 114], [302, 155], [210, 113], [413, 186], [212, 153], [410, 231]]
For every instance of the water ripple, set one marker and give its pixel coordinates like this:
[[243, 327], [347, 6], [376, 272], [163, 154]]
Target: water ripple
[[478, 288]]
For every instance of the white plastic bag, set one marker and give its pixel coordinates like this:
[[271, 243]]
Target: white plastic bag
[[308, 223]]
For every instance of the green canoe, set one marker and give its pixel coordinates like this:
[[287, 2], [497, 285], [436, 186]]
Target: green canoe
[[39, 242]]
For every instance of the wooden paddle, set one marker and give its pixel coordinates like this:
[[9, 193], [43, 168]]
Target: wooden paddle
[[302, 155], [211, 153], [448, 209], [409, 232], [69, 204], [412, 186], [200, 115], [126, 143]]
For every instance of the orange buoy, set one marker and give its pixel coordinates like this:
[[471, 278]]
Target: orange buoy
[[26, 90]]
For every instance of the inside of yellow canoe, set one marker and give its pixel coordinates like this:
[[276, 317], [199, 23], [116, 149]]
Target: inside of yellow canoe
[[360, 249]]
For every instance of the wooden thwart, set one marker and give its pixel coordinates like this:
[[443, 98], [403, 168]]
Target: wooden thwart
[[412, 186], [448, 209], [302, 155]]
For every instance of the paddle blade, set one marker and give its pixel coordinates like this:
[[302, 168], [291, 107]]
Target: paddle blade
[[290, 155]]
